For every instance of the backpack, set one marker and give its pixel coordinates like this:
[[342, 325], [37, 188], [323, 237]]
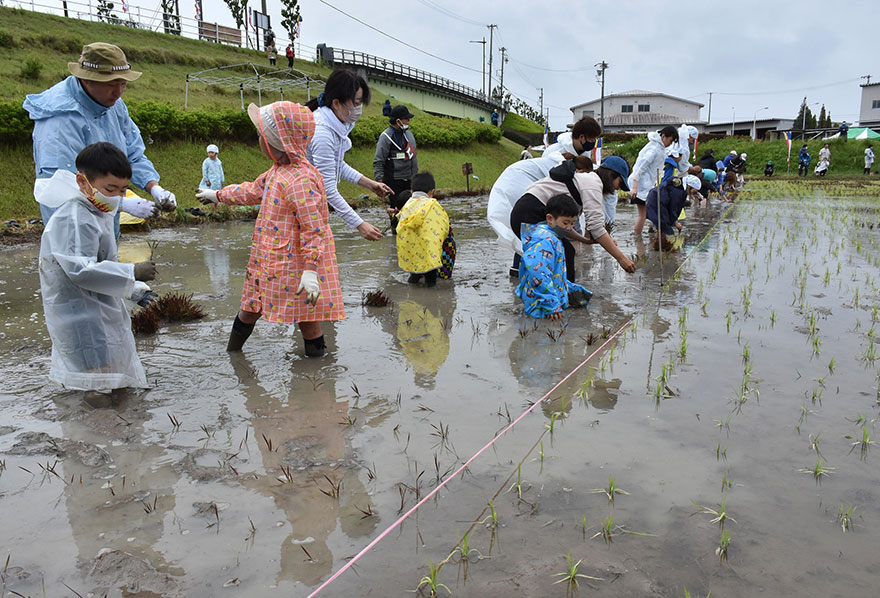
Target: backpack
[[564, 173]]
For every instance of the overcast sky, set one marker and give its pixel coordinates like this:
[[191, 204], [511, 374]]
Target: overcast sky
[[750, 53]]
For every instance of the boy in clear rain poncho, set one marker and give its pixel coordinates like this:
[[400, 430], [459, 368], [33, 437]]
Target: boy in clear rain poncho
[[82, 284], [292, 277], [543, 285]]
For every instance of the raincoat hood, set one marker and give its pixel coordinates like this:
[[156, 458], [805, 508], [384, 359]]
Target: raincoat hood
[[295, 126], [655, 136], [64, 97]]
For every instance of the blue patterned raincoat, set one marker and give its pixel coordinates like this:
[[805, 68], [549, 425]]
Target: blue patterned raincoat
[[543, 286]]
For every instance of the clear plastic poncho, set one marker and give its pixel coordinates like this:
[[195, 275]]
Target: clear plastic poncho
[[84, 288]]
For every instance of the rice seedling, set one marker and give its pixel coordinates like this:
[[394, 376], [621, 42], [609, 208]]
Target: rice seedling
[[150, 508], [309, 558], [355, 390], [688, 595], [464, 551], [368, 512], [571, 575], [583, 391], [720, 516], [726, 482], [177, 307], [723, 546], [144, 321], [746, 353], [316, 380], [773, 318], [863, 444], [376, 298], [723, 424], [491, 520], [554, 336], [817, 345], [430, 582], [272, 448], [523, 332], [818, 471], [606, 530], [175, 423], [153, 246], [335, 487], [845, 518], [611, 490], [831, 366], [348, 421], [518, 484], [728, 316], [286, 477], [720, 453]]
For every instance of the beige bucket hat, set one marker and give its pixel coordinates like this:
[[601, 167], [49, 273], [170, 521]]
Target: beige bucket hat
[[102, 62]]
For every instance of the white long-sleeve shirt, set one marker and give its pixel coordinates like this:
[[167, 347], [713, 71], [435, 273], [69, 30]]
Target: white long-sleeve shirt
[[326, 152]]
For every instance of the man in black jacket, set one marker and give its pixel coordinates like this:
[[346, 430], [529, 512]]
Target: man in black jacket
[[396, 161], [707, 161]]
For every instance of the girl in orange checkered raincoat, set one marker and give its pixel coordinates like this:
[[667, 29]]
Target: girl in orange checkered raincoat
[[292, 275]]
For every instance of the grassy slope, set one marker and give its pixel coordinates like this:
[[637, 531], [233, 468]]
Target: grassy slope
[[165, 61], [518, 123]]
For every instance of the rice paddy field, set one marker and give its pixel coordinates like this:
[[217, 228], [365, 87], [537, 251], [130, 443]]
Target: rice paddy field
[[706, 424]]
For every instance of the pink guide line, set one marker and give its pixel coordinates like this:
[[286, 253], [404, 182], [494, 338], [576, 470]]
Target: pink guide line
[[400, 520]]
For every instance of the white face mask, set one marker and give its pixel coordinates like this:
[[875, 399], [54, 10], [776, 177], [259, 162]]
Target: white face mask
[[403, 127], [106, 203], [354, 113]]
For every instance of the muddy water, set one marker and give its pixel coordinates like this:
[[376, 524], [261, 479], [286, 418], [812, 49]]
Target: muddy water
[[281, 467]]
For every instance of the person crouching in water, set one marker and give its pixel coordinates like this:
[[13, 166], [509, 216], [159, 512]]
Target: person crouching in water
[[82, 283], [422, 228], [291, 273], [544, 286], [665, 203]]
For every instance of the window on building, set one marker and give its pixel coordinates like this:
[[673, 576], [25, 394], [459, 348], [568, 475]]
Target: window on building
[[875, 104], [588, 113], [626, 108], [644, 107]]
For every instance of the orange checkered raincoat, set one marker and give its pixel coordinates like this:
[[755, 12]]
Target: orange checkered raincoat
[[292, 230]]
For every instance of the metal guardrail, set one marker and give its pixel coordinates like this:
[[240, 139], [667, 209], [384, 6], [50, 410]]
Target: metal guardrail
[[402, 71], [151, 19], [250, 76]]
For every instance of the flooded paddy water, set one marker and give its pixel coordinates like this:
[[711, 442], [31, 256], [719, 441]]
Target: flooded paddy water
[[739, 386]]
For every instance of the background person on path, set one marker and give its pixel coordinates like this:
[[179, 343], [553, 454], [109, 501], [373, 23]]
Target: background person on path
[[272, 53], [289, 53], [869, 158], [804, 159], [212, 170], [396, 161], [86, 108], [644, 174], [336, 110], [843, 130], [292, 277]]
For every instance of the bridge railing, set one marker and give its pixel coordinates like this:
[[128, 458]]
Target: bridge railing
[[389, 67]]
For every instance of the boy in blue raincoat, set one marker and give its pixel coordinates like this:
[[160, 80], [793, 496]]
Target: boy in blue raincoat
[[543, 286]]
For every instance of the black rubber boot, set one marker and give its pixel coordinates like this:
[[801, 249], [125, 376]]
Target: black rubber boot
[[315, 346], [238, 336], [414, 278], [431, 278]]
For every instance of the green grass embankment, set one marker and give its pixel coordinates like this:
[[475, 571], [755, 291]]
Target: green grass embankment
[[180, 163]]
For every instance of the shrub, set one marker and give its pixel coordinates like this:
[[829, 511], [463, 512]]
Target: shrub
[[15, 125], [430, 131], [30, 69], [6, 40]]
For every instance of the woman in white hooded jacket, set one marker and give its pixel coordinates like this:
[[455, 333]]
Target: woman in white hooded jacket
[[336, 110], [648, 164]]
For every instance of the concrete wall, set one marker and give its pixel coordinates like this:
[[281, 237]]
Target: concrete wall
[[868, 115], [686, 111], [429, 101]]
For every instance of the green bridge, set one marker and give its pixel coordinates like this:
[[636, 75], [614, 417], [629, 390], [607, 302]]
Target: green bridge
[[412, 86]]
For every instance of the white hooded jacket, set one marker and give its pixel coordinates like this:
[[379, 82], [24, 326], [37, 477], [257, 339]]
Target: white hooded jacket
[[649, 162]]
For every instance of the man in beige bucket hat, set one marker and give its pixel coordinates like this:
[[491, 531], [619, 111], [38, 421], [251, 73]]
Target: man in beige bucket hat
[[86, 108]]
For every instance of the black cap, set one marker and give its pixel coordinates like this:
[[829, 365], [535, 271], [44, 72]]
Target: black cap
[[400, 113]]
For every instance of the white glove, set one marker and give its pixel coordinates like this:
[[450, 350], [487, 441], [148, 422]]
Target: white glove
[[309, 284], [139, 208], [207, 196], [140, 290], [165, 198]]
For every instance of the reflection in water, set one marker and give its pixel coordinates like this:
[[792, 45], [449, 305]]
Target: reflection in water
[[217, 262], [423, 339], [308, 442]]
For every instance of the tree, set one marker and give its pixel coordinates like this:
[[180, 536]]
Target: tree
[[822, 117], [105, 9], [170, 17], [290, 18], [237, 8], [800, 121]]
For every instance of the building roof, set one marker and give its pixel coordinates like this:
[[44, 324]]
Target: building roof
[[869, 84], [641, 118], [637, 93]]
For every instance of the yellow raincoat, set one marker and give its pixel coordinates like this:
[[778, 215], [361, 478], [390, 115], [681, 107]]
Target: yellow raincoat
[[422, 228]]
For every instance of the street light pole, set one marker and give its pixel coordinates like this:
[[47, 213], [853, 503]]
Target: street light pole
[[755, 123], [600, 71], [483, 80], [491, 39], [733, 124]]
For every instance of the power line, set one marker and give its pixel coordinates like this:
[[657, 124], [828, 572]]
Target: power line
[[400, 41], [770, 93], [450, 14]]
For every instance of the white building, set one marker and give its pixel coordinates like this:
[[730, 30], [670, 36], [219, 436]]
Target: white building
[[640, 111], [869, 113]]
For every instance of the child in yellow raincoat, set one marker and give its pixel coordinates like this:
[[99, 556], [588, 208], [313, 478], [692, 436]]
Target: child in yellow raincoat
[[421, 230], [292, 275]]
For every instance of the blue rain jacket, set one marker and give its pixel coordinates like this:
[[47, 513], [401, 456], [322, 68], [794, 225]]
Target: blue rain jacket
[[672, 202], [212, 172], [66, 120], [543, 286]]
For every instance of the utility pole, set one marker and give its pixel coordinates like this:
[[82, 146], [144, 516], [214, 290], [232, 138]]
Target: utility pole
[[709, 117], [483, 80], [541, 101], [503, 60], [491, 38], [600, 72], [867, 79]]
